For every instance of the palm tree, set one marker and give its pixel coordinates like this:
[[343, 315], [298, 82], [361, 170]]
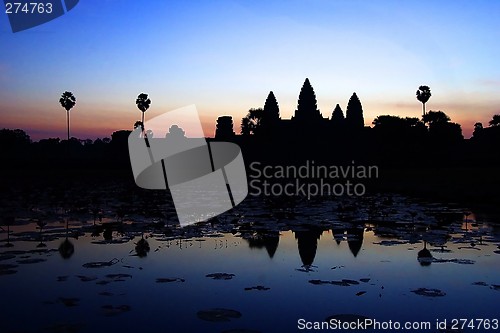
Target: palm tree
[[423, 95], [138, 124], [67, 101], [143, 103]]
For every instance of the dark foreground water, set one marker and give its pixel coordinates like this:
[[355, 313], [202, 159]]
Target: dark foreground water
[[268, 266]]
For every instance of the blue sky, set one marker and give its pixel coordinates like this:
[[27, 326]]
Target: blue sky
[[225, 57]]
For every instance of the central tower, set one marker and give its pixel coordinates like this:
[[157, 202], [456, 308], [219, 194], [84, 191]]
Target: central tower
[[307, 109]]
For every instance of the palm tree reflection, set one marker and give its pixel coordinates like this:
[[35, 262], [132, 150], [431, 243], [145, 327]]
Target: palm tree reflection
[[142, 247], [66, 249], [41, 223], [424, 256], [8, 221]]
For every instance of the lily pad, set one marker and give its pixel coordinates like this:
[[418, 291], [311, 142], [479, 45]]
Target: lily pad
[[31, 261], [340, 283], [218, 314], [455, 261], [429, 292], [257, 288], [480, 283], [220, 276], [168, 280], [350, 281], [100, 264], [318, 282], [389, 242], [118, 276], [84, 278]]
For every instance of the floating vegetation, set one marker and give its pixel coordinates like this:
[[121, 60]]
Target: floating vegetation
[[112, 241], [429, 292], [218, 315], [319, 282], [220, 276], [480, 283], [99, 264], [169, 280], [257, 288], [343, 282], [455, 261], [84, 278], [119, 276], [31, 261], [262, 228], [390, 242], [354, 282]]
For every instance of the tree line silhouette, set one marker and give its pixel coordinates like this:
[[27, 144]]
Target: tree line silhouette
[[392, 142]]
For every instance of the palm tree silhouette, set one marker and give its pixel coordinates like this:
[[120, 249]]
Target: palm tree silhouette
[[8, 221], [67, 101], [66, 249], [143, 103], [423, 95]]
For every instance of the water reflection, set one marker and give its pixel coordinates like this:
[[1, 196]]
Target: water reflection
[[307, 243], [142, 247], [424, 256], [264, 239], [376, 249], [66, 249]]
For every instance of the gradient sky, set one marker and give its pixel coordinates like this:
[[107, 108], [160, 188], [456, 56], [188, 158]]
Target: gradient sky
[[225, 57]]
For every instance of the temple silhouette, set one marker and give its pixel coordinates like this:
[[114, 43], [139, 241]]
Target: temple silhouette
[[307, 135], [306, 123]]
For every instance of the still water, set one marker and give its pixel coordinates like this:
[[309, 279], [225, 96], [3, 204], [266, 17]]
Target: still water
[[259, 268]]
